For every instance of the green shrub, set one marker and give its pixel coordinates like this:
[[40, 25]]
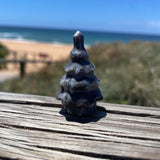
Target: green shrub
[[3, 53], [129, 74]]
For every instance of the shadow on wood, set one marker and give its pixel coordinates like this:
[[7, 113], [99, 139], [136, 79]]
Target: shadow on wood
[[98, 114]]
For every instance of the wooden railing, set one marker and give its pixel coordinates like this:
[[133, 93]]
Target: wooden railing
[[23, 60], [23, 63], [33, 127]]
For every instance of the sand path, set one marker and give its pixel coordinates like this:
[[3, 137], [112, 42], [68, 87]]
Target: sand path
[[7, 75]]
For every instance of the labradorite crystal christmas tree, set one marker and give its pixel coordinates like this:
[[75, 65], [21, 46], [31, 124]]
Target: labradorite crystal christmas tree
[[79, 87]]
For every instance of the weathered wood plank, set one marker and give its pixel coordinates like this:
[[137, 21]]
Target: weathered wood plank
[[31, 127], [97, 148], [32, 113], [14, 151], [27, 99], [51, 101]]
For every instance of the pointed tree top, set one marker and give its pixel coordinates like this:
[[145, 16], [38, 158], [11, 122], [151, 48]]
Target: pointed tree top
[[78, 40]]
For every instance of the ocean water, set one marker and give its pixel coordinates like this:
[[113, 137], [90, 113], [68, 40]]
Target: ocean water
[[57, 36]]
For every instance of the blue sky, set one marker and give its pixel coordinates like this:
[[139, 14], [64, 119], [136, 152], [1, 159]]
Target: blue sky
[[136, 16]]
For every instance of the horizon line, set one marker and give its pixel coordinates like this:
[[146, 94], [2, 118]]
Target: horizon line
[[82, 29]]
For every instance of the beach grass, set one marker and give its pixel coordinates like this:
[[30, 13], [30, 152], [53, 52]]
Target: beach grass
[[3, 53], [129, 73]]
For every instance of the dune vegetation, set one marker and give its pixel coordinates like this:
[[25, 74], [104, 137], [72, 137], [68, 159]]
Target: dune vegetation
[[128, 73], [3, 53]]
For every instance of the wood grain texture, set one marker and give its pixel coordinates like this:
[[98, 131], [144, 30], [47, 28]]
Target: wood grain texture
[[31, 127]]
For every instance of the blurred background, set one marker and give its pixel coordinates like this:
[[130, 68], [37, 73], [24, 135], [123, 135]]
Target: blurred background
[[122, 38]]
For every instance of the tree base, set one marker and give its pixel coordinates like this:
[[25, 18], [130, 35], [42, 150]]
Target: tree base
[[83, 110]]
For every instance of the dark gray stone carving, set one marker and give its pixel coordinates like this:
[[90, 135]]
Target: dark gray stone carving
[[79, 87]]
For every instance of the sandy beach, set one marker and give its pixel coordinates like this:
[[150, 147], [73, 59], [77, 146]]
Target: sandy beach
[[36, 51], [56, 52]]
